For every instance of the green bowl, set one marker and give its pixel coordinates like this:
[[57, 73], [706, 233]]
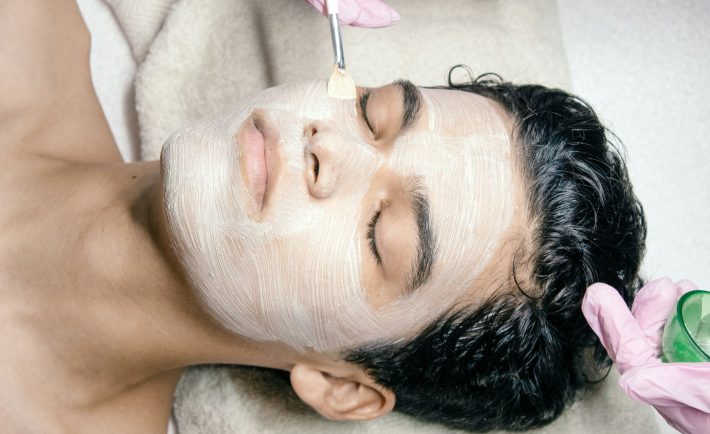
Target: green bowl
[[686, 336]]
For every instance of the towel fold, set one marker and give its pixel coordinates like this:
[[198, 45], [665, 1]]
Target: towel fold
[[140, 21]]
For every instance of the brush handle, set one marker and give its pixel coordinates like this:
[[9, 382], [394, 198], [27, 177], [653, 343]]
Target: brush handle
[[339, 59]]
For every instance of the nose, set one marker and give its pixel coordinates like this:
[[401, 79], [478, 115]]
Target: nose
[[321, 173]]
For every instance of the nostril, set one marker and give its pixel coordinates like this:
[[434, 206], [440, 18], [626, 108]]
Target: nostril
[[316, 166], [320, 178], [312, 167], [319, 171]]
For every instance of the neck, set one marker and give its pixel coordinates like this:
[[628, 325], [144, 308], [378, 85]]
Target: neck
[[141, 311]]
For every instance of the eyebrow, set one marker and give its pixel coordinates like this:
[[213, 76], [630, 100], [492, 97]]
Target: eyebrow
[[426, 250], [411, 101]]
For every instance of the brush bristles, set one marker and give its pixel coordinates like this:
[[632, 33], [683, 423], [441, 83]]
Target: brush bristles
[[341, 84]]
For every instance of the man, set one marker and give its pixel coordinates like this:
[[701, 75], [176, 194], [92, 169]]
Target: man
[[414, 243]]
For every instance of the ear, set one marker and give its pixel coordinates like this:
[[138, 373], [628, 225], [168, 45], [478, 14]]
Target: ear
[[348, 394]]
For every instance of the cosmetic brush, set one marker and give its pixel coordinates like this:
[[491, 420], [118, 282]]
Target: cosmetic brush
[[341, 84]]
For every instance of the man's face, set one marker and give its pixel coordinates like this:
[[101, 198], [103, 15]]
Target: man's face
[[328, 223]]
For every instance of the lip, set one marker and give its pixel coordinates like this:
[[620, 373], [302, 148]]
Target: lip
[[260, 159]]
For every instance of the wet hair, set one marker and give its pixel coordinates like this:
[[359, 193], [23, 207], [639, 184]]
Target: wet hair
[[519, 358]]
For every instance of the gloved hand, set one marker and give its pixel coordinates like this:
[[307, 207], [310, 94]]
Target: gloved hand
[[361, 13], [680, 392]]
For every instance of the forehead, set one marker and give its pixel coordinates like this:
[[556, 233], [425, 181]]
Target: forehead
[[456, 113], [460, 148]]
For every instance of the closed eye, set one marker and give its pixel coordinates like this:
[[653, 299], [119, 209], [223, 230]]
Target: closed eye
[[363, 109], [371, 237]]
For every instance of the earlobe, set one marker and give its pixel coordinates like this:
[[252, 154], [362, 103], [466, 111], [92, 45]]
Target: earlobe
[[341, 395]]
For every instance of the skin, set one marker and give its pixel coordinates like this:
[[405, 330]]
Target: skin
[[98, 319]]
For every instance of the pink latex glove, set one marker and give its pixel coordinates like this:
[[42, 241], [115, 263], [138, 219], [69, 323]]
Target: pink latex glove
[[680, 392], [361, 13]]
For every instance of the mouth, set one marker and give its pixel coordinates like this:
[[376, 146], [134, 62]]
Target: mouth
[[260, 160]]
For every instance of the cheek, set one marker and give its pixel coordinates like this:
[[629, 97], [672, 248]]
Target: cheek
[[310, 288], [301, 276]]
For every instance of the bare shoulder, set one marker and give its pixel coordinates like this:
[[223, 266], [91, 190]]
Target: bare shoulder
[[48, 103]]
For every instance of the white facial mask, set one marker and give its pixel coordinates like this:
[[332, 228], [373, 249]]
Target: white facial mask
[[296, 276]]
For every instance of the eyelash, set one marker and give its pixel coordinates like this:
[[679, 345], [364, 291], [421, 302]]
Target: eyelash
[[363, 109], [371, 236]]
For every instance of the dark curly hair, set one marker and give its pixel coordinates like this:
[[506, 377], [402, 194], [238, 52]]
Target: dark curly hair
[[517, 360]]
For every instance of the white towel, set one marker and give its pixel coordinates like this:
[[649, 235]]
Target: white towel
[[220, 400]]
